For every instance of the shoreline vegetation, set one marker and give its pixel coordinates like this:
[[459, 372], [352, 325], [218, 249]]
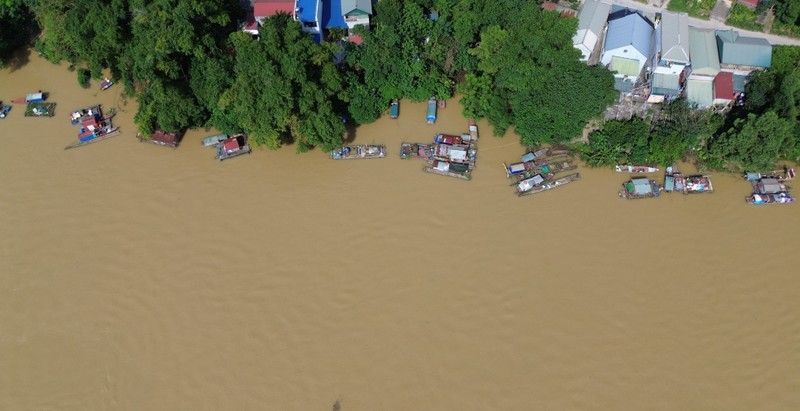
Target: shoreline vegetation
[[511, 63]]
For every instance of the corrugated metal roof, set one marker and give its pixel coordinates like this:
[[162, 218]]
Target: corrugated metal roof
[[700, 92], [628, 67], [743, 51], [723, 86], [642, 186], [675, 37], [738, 83], [630, 29], [591, 22], [703, 49], [666, 81], [351, 5]]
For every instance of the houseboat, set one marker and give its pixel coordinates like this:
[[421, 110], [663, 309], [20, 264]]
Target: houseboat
[[359, 152], [431, 111], [447, 139], [777, 198], [213, 140], [673, 180], [4, 110], [37, 97], [769, 185], [698, 184], [456, 153], [394, 109], [548, 184], [639, 187], [106, 83], [625, 168], [416, 150], [163, 138], [80, 115], [526, 169], [449, 169], [473, 130], [40, 110], [94, 129], [232, 147]]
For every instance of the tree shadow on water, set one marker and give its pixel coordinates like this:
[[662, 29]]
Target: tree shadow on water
[[17, 59]]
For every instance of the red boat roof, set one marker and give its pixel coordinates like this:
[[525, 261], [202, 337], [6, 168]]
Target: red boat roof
[[230, 144]]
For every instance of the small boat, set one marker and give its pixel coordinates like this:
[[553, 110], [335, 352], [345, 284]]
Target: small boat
[[106, 83], [473, 130], [776, 198], [673, 180], [431, 111], [446, 168], [394, 109], [625, 168], [80, 115], [359, 152], [447, 139], [639, 187], [698, 184], [549, 184], [4, 110], [233, 147], [442, 104], [526, 169], [40, 110], [213, 140], [416, 150], [784, 174], [37, 97]]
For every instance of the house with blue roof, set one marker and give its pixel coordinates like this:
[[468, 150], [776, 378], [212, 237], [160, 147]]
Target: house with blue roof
[[309, 14], [591, 23], [671, 61], [627, 47]]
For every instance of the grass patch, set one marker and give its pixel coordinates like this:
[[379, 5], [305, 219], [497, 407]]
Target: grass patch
[[785, 29], [743, 18], [696, 8]]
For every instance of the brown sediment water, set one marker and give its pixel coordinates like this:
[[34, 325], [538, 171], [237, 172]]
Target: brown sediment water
[[138, 277]]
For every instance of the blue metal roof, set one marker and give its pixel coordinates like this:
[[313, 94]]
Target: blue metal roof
[[629, 28], [332, 14], [308, 10]]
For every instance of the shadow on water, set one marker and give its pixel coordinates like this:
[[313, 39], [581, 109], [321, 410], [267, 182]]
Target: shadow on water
[[18, 59]]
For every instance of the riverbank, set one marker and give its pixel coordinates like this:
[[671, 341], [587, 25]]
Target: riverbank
[[142, 277]]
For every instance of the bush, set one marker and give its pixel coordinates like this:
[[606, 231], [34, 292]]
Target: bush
[[83, 77], [743, 18]]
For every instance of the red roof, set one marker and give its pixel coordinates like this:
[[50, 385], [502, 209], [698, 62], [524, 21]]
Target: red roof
[[167, 139], [230, 144], [549, 5], [749, 3], [723, 85], [267, 8], [355, 39]]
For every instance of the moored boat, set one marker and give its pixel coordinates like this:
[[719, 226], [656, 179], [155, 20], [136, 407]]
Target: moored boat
[[394, 109], [364, 151], [80, 115], [416, 150], [785, 174], [37, 97], [94, 129], [639, 187], [673, 180], [163, 138], [547, 184], [769, 185], [431, 114], [776, 198], [626, 168], [446, 168], [456, 153], [473, 130], [4, 110], [527, 169], [232, 147], [213, 140], [698, 184], [106, 83]]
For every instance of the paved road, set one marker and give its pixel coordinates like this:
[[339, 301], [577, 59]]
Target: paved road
[[650, 8]]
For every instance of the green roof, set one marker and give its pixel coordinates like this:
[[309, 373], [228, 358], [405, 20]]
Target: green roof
[[628, 67], [743, 51], [703, 47], [700, 92]]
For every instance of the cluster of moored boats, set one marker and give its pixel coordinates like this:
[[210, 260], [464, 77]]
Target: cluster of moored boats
[[767, 188], [538, 171]]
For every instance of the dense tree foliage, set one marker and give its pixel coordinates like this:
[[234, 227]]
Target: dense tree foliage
[[617, 142], [787, 11], [15, 26]]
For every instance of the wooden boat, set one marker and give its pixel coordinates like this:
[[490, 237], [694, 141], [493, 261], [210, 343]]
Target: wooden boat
[[639, 187], [446, 168], [549, 184], [698, 184], [364, 151], [416, 150], [213, 140], [785, 174], [776, 198], [473, 130], [4, 110], [447, 139], [93, 137], [37, 97], [673, 180], [394, 109], [625, 168], [431, 117], [527, 169], [80, 115], [106, 83], [40, 110], [233, 147]]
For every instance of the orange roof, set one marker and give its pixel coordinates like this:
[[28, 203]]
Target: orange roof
[[267, 8]]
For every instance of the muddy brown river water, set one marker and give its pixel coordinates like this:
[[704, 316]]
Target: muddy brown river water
[[137, 277]]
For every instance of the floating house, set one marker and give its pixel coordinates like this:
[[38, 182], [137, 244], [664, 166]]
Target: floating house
[[671, 59], [591, 23], [700, 88], [627, 47]]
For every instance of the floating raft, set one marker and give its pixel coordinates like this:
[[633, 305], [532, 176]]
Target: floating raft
[[112, 133], [40, 110]]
